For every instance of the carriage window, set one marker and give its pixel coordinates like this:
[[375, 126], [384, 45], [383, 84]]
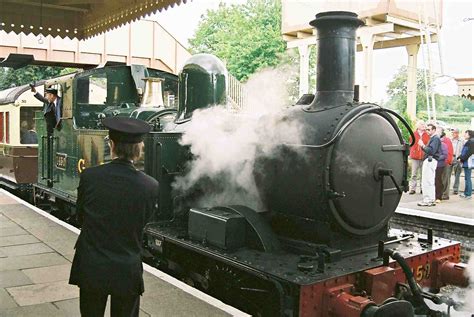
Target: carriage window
[[27, 125]]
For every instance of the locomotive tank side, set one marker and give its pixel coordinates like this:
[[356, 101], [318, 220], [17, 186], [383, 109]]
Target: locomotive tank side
[[347, 176]]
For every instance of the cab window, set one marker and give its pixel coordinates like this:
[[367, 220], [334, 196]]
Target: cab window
[[90, 99]]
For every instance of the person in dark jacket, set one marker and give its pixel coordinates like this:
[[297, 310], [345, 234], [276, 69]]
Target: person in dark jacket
[[441, 166], [52, 108], [466, 152], [432, 150], [114, 202], [28, 133]]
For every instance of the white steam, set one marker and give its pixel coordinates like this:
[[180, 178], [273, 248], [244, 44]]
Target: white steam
[[225, 145], [461, 295], [468, 297]]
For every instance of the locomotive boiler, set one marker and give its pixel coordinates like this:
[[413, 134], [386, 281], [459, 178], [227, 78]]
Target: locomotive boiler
[[321, 244]]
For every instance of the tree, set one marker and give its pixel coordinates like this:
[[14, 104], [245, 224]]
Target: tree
[[12, 78], [397, 91], [247, 36]]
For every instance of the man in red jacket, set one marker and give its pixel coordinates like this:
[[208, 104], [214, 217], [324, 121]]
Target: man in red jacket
[[417, 154]]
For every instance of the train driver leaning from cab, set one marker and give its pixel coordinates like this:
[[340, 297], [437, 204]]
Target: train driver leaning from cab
[[114, 202], [52, 108]]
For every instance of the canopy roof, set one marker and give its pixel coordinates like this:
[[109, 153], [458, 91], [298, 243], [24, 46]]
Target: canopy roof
[[74, 18]]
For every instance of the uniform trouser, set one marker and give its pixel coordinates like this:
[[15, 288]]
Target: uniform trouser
[[416, 167], [439, 182], [457, 174], [446, 180], [92, 304], [428, 180]]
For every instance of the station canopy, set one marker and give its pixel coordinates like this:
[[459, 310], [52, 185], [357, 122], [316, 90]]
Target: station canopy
[[74, 18]]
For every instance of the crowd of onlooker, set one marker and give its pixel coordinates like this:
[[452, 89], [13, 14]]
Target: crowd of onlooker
[[437, 154]]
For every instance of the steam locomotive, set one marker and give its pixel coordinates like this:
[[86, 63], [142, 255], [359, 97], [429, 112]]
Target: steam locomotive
[[319, 245]]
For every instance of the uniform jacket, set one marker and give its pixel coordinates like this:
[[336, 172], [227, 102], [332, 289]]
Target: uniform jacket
[[114, 203], [416, 153], [48, 110]]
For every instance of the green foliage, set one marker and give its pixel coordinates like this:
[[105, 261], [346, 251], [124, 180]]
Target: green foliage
[[247, 36], [12, 78], [401, 126], [397, 92], [467, 105]]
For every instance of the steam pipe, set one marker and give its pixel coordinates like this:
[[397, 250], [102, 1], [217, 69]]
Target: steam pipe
[[415, 289], [336, 58]]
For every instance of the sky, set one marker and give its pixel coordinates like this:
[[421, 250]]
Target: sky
[[457, 43]]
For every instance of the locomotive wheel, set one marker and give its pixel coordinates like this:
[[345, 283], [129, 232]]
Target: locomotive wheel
[[243, 291]]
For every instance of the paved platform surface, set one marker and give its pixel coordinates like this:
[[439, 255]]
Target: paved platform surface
[[35, 260], [455, 206]]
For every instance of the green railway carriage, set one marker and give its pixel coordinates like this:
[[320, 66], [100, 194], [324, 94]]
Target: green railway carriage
[[87, 98]]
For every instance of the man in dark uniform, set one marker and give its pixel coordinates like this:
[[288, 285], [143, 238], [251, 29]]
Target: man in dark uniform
[[52, 108], [114, 203]]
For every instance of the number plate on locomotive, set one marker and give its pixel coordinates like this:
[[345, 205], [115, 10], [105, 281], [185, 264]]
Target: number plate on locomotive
[[61, 160]]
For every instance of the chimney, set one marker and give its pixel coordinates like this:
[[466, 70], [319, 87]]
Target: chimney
[[335, 58]]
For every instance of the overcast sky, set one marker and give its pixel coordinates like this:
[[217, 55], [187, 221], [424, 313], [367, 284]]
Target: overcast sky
[[457, 42]]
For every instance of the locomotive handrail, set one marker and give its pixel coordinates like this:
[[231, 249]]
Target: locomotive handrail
[[399, 117], [375, 109], [22, 156], [43, 137], [53, 157]]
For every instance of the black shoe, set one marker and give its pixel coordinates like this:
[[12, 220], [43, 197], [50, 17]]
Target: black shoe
[[455, 192], [411, 192]]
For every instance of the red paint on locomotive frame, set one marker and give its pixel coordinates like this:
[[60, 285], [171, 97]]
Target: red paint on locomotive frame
[[315, 299]]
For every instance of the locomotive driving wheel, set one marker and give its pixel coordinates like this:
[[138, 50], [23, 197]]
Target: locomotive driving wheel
[[241, 290]]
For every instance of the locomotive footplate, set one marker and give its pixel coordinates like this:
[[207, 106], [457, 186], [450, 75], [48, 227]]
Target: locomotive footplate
[[302, 274], [288, 266]]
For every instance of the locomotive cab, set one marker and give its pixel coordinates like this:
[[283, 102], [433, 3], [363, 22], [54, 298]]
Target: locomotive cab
[[80, 141]]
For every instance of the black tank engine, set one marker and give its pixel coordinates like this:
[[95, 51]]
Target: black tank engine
[[321, 245]]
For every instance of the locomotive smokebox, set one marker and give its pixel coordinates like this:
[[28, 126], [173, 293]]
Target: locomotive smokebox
[[346, 177], [335, 58]]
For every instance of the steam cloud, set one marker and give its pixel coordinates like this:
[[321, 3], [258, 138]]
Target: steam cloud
[[468, 298], [462, 295], [225, 145]]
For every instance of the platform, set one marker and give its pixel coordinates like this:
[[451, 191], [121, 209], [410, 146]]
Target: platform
[[36, 251]]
